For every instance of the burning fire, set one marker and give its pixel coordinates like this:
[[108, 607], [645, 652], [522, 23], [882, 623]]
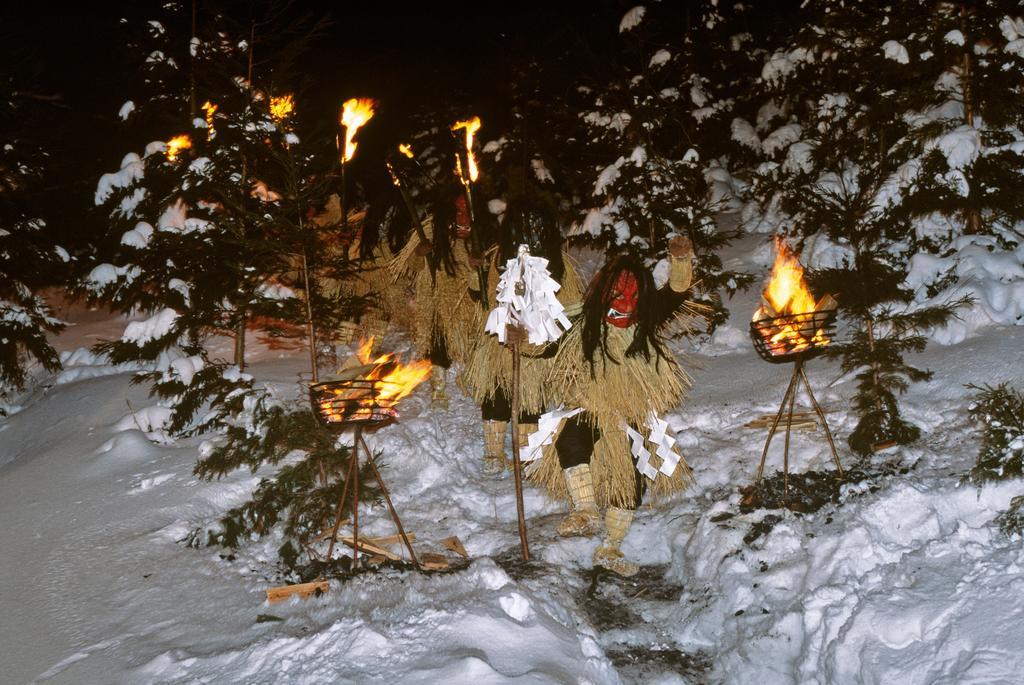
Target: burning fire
[[210, 110], [405, 150], [787, 295], [471, 126], [176, 144], [355, 113], [281, 107], [381, 382]]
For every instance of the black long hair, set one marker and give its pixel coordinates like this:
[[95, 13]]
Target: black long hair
[[651, 312], [531, 217]]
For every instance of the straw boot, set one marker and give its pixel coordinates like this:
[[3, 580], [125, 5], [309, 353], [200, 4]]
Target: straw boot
[[617, 522], [583, 520], [438, 388], [495, 460]]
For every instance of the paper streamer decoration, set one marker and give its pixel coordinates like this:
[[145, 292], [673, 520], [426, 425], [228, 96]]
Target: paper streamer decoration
[[664, 441], [526, 297], [547, 427]]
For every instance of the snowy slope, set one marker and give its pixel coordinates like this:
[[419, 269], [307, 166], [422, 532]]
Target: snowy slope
[[905, 580]]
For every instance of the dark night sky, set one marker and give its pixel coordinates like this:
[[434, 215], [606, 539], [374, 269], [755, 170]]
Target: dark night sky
[[455, 53]]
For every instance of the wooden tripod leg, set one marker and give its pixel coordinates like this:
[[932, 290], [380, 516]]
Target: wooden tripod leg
[[391, 507], [775, 423], [355, 499], [824, 423], [789, 426], [340, 509]]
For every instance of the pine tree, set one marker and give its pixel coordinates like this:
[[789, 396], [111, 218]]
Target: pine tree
[[835, 151], [1000, 412], [656, 124], [29, 259]]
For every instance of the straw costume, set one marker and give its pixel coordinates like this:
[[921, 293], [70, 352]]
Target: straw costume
[[613, 365], [445, 316], [530, 218]]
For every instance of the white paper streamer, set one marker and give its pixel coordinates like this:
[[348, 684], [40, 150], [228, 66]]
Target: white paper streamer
[[526, 297], [547, 426], [663, 439]]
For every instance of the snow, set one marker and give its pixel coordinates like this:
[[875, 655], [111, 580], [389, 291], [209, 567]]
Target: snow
[[895, 51], [153, 328], [126, 110], [904, 580], [632, 18], [131, 170], [659, 58]]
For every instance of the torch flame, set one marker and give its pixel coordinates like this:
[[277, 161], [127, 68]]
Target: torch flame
[[405, 150], [176, 144], [471, 126], [281, 107], [210, 110], [355, 113]]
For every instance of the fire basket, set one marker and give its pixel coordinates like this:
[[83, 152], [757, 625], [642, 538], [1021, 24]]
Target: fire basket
[[781, 335], [366, 397]]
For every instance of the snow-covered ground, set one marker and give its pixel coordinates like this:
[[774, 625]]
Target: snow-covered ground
[[905, 580]]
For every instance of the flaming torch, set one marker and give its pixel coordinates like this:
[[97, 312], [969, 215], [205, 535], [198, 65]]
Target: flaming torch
[[210, 110], [409, 205], [354, 114], [365, 394], [791, 325], [468, 176], [281, 108], [175, 145]]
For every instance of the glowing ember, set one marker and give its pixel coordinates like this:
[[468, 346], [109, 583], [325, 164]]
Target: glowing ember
[[281, 107], [355, 113], [471, 126], [787, 295], [210, 110], [405, 150], [176, 144]]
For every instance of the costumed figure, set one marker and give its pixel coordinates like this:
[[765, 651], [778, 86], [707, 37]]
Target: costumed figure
[[364, 251], [618, 377], [445, 317], [530, 218]]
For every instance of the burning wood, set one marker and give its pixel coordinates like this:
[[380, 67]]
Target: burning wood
[[368, 388], [471, 126], [789, 319], [176, 144]]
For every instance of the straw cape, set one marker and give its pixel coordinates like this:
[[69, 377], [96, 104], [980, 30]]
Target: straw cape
[[490, 365], [621, 390], [441, 305]]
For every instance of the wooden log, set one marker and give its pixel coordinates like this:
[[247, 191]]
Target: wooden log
[[367, 546], [303, 590], [455, 544], [827, 303], [433, 562]]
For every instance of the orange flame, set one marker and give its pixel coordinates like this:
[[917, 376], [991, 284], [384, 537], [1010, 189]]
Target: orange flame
[[405, 150], [394, 379], [210, 110], [281, 107], [355, 113], [176, 144], [787, 291], [471, 126], [787, 294]]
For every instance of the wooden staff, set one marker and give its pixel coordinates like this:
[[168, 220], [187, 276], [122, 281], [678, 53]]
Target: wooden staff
[[524, 545]]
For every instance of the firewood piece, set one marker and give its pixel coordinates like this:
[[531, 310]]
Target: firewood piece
[[390, 539], [827, 303], [455, 544], [879, 446], [367, 546], [433, 562], [303, 590]]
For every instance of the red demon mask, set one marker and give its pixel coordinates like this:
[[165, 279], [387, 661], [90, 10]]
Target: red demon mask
[[462, 224], [625, 293]]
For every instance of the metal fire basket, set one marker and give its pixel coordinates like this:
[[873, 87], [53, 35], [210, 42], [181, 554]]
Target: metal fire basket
[[357, 404], [794, 338]]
